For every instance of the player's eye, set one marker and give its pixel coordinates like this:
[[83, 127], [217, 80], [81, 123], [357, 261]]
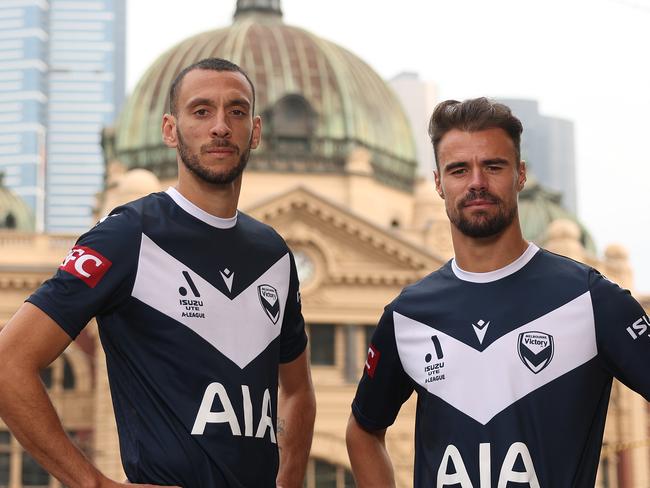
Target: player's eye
[[202, 112], [496, 167]]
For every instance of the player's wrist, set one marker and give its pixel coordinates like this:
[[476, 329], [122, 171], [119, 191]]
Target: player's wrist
[[94, 479]]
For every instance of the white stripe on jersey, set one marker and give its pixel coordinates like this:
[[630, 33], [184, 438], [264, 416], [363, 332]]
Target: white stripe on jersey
[[240, 328], [482, 384]]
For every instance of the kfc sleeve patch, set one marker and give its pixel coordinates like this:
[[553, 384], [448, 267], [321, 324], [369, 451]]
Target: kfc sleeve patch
[[372, 360], [86, 264]]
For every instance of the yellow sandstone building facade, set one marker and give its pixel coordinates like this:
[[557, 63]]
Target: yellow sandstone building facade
[[335, 176]]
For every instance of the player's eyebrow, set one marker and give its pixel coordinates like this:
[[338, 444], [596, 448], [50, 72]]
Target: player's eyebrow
[[195, 102], [491, 161], [200, 101], [501, 161], [455, 165], [238, 101]]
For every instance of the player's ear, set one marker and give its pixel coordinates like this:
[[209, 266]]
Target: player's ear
[[521, 175], [436, 178], [169, 135], [257, 132]]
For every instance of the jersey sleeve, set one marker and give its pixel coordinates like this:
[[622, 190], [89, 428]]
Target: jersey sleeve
[[293, 338], [384, 385], [622, 334], [96, 275]]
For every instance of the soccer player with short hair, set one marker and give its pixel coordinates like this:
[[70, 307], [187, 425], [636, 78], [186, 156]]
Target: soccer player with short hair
[[199, 315], [510, 348]]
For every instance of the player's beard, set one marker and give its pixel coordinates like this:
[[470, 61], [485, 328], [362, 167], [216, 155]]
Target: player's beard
[[482, 224], [192, 161]]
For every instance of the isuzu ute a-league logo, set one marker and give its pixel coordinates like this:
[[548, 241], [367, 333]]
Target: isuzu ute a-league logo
[[269, 300], [192, 305], [535, 350]]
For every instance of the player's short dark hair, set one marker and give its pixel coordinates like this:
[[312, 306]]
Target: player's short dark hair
[[471, 116], [214, 64]]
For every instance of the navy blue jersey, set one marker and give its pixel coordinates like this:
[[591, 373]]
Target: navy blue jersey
[[513, 371], [195, 314]]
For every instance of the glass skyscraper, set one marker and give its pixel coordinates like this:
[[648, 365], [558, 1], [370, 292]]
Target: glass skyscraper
[[61, 80]]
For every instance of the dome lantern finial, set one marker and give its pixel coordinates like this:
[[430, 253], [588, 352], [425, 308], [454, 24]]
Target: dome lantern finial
[[260, 6]]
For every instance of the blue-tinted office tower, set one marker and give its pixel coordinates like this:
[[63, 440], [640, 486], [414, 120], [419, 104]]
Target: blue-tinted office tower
[[548, 147], [61, 80]]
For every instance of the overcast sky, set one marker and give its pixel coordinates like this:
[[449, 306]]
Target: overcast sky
[[584, 60]]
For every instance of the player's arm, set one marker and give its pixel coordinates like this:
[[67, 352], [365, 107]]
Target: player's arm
[[369, 458], [622, 334], [296, 414], [383, 388], [29, 342]]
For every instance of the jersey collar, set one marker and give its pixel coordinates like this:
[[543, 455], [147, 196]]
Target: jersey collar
[[497, 274], [201, 214]]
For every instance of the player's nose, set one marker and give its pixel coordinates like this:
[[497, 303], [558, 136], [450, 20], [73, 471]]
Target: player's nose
[[220, 128]]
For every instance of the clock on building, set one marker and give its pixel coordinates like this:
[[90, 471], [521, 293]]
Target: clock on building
[[305, 267]]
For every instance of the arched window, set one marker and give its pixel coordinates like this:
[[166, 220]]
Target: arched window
[[32, 474], [59, 375], [68, 375], [10, 221], [322, 340], [46, 377], [17, 468], [322, 474], [29, 474], [5, 457], [290, 124], [293, 117]]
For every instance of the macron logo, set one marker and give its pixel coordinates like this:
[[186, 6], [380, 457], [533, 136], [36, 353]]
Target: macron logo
[[227, 276], [480, 328], [86, 264]]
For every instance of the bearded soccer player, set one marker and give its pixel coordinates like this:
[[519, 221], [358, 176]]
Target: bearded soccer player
[[198, 311], [510, 348]]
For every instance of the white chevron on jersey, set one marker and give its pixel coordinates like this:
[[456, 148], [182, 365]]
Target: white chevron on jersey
[[239, 328], [482, 384]]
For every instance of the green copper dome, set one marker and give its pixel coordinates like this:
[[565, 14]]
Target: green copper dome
[[318, 101], [15, 214], [538, 207]]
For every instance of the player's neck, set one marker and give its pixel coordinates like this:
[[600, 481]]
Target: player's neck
[[218, 200], [481, 255]]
